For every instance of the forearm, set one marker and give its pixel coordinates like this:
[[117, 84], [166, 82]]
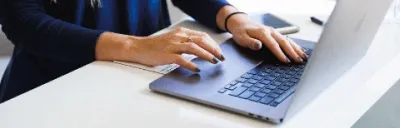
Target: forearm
[[113, 46]]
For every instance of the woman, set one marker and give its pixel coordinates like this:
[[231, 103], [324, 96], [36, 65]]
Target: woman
[[54, 37]]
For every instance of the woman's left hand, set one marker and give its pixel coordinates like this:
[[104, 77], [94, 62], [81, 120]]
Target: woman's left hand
[[253, 35]]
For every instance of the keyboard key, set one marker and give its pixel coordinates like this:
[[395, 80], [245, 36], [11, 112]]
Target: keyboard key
[[252, 72], [279, 91], [285, 68], [265, 90], [265, 81], [280, 71], [272, 87], [232, 88], [262, 74], [268, 70], [233, 83], [291, 72], [270, 78], [222, 90], [237, 91], [257, 77], [297, 69], [273, 95], [247, 76], [254, 98], [254, 89], [288, 83], [281, 79], [294, 80], [298, 76], [240, 85], [266, 100], [274, 104], [252, 81], [228, 86], [276, 83], [247, 85], [284, 87], [284, 95], [246, 94], [277, 75], [260, 94], [241, 80], [260, 85], [308, 52], [287, 76]]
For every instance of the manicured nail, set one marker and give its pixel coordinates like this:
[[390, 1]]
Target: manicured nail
[[257, 45], [288, 60], [222, 58], [305, 55], [197, 69], [215, 60], [301, 60]]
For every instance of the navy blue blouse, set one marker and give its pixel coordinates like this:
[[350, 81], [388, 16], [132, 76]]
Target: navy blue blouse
[[52, 39]]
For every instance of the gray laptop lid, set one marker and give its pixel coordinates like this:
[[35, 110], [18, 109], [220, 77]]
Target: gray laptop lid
[[345, 40]]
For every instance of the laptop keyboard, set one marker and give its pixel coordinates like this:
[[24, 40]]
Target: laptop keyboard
[[266, 84]]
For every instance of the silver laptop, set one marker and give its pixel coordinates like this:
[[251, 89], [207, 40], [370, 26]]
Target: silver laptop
[[255, 84]]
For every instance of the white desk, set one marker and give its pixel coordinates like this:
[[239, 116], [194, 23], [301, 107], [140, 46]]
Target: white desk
[[104, 94]]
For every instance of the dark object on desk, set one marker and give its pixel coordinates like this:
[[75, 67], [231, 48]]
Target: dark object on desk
[[317, 21], [248, 82]]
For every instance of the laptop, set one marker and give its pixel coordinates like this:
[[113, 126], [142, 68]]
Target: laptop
[[255, 84]]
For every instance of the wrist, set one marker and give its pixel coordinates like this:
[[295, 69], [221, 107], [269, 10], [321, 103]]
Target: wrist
[[224, 21], [236, 21], [111, 46]]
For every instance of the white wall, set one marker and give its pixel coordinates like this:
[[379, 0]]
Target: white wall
[[5, 52], [174, 13]]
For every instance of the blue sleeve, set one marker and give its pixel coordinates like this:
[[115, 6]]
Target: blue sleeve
[[2, 12], [31, 29], [204, 11]]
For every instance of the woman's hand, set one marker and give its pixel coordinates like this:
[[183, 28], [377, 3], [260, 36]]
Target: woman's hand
[[167, 49], [253, 35]]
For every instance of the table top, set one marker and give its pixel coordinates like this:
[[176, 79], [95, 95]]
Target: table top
[[106, 94]]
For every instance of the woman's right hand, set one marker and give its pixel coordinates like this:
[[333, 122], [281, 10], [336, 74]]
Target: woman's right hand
[[161, 49]]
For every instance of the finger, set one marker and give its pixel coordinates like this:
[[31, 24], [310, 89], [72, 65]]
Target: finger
[[300, 51], [203, 40], [192, 48], [287, 47], [245, 40], [180, 60], [270, 43]]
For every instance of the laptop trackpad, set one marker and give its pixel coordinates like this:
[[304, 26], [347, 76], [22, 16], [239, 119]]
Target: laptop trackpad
[[212, 76]]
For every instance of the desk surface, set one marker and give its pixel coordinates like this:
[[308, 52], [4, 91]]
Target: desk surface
[[105, 94]]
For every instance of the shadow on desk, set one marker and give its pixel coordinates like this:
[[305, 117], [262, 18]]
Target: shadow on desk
[[384, 113]]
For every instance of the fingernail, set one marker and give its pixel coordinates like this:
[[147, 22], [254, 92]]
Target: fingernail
[[215, 60], [222, 58], [288, 60], [197, 69], [300, 59], [304, 54], [257, 45]]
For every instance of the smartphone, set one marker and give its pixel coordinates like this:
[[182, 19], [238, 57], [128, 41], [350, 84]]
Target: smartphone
[[279, 24]]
